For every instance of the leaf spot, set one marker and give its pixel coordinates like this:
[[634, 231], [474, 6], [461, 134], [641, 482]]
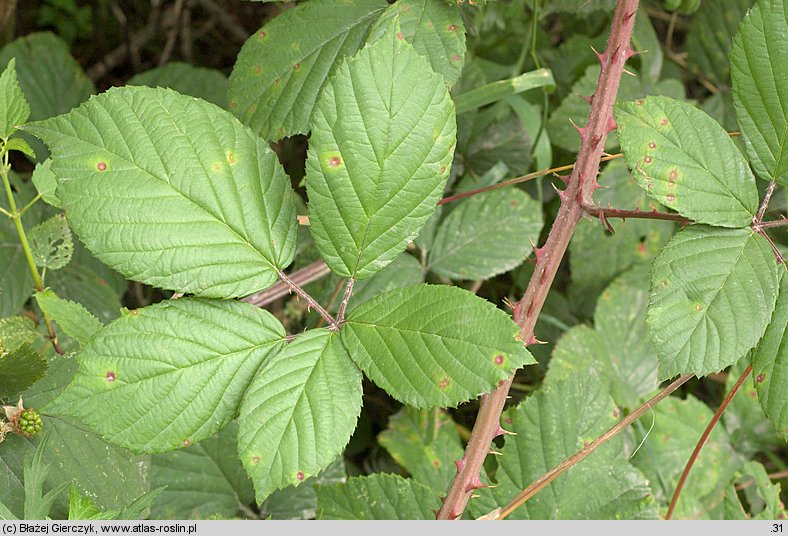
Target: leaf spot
[[616, 412], [297, 66], [443, 169], [300, 476], [217, 166], [498, 359], [444, 383], [652, 145], [760, 378], [436, 463], [647, 159], [452, 27], [233, 104], [186, 442], [670, 198], [110, 377], [456, 57], [699, 307], [258, 69], [334, 161], [400, 36], [664, 121], [674, 174], [101, 166], [231, 158], [261, 34], [255, 459], [508, 420]]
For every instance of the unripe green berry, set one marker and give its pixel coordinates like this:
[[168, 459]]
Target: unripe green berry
[[30, 422]]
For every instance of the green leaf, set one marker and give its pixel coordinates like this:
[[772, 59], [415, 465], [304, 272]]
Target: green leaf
[[378, 496], [770, 365], [16, 281], [51, 243], [72, 317], [486, 235], [709, 37], [207, 84], [300, 502], [553, 424], [202, 480], [686, 161], [19, 144], [494, 136], [575, 109], [132, 165], [495, 91], [759, 61], [618, 349], [434, 29], [671, 432], [15, 331], [14, 109], [37, 503], [712, 294], [20, 367], [433, 345], [282, 68], [82, 508], [426, 444], [46, 183], [171, 374], [763, 497], [383, 135], [299, 412]]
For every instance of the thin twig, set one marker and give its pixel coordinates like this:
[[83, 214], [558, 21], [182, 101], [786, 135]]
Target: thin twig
[[345, 300], [776, 223], [601, 212], [304, 276], [229, 23], [312, 303], [703, 438], [568, 463], [172, 35], [758, 218]]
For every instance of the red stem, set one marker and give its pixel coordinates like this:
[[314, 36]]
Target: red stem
[[548, 258], [702, 440]]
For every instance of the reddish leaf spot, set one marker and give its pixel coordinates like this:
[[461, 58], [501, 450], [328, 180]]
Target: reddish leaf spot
[[443, 169], [255, 459], [102, 166], [186, 442], [672, 176], [456, 57], [110, 377], [261, 34], [452, 27], [297, 66], [664, 121], [647, 159], [277, 82], [498, 360], [400, 36], [436, 463], [334, 161], [652, 145], [444, 383], [300, 476], [760, 378], [258, 69], [102, 282], [508, 421], [642, 249], [752, 394], [617, 413], [670, 198]]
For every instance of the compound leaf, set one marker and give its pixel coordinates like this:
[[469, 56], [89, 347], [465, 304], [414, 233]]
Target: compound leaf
[[282, 68], [171, 374], [378, 496], [434, 345], [173, 191], [686, 161], [712, 293], [383, 136], [759, 61], [299, 413]]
